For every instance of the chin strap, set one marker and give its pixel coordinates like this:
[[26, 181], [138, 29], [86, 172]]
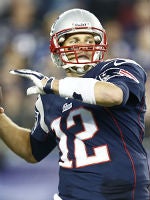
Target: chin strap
[[79, 68]]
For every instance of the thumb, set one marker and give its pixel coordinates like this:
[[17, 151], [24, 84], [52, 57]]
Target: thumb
[[1, 110], [34, 90]]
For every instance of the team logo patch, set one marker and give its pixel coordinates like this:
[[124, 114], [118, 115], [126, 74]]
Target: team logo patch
[[113, 72], [66, 107], [123, 72]]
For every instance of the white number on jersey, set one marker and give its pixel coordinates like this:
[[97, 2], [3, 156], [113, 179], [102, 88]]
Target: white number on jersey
[[101, 153]]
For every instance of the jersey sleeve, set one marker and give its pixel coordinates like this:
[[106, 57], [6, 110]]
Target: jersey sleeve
[[40, 129], [42, 140], [41, 149], [126, 74]]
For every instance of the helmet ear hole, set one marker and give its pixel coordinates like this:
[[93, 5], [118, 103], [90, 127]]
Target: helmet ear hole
[[61, 39], [97, 39]]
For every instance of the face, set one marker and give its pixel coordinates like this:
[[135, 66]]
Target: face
[[83, 53]]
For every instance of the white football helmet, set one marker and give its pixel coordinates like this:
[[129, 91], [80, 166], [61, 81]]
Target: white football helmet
[[77, 21]]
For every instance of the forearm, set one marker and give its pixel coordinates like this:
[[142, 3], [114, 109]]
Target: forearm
[[105, 93], [16, 138], [88, 90]]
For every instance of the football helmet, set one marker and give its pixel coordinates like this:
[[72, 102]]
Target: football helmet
[[76, 21]]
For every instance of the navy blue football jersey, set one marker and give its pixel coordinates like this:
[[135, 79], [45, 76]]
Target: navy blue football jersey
[[101, 151]]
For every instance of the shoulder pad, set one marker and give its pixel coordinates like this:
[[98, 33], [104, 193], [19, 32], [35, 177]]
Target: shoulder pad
[[118, 62], [120, 67]]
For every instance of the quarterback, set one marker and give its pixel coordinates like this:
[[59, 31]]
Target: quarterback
[[95, 116]]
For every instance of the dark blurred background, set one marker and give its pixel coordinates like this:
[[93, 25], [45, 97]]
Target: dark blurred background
[[24, 43]]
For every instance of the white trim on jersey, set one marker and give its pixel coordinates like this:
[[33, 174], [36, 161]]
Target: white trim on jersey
[[56, 197], [39, 106]]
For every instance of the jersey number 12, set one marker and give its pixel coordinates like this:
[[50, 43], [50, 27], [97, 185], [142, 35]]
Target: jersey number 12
[[100, 153]]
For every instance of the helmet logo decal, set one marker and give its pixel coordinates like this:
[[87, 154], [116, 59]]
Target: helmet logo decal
[[81, 24]]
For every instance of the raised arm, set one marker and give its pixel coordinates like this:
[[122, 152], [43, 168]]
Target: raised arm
[[104, 93], [88, 90]]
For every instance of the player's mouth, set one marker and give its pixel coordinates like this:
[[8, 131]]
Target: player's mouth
[[81, 59]]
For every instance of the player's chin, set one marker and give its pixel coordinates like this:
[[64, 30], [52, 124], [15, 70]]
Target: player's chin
[[71, 73]]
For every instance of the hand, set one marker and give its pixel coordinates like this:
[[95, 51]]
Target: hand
[[1, 110], [43, 84]]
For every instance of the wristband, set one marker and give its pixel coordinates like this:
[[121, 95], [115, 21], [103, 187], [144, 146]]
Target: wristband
[[78, 88], [48, 87]]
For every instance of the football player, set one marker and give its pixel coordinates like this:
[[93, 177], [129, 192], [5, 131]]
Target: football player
[[95, 116]]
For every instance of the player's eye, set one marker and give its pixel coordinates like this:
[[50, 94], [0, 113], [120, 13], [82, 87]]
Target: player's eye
[[73, 41], [90, 41]]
